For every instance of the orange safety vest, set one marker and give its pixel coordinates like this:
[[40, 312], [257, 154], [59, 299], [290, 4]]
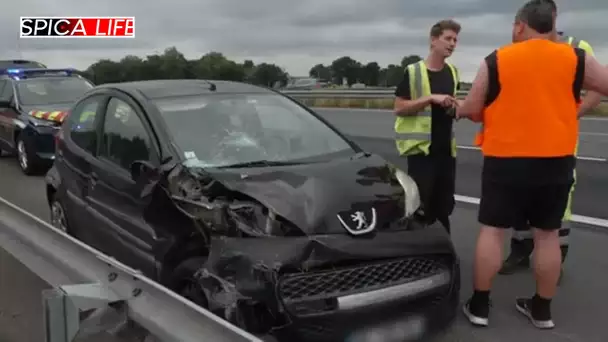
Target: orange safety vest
[[535, 113], [479, 135]]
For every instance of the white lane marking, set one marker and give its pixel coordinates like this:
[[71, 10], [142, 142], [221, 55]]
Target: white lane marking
[[465, 147], [593, 221], [592, 159], [596, 134], [586, 118]]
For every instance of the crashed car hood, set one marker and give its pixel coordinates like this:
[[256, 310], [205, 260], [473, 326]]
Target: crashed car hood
[[320, 198]]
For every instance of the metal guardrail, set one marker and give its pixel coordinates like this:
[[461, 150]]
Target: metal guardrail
[[85, 279], [338, 93], [356, 93]]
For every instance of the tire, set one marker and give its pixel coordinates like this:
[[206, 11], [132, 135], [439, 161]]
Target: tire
[[58, 216], [27, 161], [182, 281]]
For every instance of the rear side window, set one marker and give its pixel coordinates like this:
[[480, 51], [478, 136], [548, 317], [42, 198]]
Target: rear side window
[[125, 138], [81, 123]]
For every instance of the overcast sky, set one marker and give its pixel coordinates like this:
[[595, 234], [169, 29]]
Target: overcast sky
[[295, 34]]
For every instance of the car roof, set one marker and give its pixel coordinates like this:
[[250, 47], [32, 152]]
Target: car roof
[[48, 77], [158, 89], [20, 64]]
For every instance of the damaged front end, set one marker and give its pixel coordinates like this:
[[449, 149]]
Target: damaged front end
[[267, 270]]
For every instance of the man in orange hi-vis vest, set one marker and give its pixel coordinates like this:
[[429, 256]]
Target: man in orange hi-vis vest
[[526, 96], [522, 241]]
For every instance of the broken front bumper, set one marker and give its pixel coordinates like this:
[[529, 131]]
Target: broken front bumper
[[335, 287]]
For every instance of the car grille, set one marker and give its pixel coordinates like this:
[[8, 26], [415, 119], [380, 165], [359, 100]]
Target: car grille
[[339, 282]]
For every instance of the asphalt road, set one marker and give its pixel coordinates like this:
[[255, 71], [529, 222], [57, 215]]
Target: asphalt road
[[379, 124], [579, 309], [373, 130]]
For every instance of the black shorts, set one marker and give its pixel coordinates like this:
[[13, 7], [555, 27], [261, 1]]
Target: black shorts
[[510, 198]]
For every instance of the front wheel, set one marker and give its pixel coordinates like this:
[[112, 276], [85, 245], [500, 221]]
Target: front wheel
[[27, 161], [183, 281]]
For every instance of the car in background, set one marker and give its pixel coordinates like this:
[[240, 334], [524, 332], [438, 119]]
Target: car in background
[[33, 103], [254, 207]]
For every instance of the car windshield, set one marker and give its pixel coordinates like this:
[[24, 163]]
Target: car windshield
[[262, 129], [51, 90], [20, 64]]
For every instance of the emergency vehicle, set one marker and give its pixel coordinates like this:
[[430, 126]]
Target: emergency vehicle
[[33, 104]]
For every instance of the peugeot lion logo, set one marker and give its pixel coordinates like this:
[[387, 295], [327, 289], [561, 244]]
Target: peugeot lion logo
[[358, 222]]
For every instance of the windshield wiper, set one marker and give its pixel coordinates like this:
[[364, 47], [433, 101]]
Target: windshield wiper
[[258, 163], [359, 155]]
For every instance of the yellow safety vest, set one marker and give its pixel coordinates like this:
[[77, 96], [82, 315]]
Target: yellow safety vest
[[85, 116], [413, 132], [575, 42], [581, 44]]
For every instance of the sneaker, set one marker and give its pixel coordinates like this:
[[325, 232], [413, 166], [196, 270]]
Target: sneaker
[[514, 263], [477, 315], [541, 320]]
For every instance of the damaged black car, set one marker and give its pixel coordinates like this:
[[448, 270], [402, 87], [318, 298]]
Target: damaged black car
[[251, 205]]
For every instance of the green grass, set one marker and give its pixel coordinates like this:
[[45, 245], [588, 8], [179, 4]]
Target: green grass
[[387, 103]]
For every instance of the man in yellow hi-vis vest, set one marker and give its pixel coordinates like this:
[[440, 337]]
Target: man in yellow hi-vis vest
[[522, 242], [424, 126]]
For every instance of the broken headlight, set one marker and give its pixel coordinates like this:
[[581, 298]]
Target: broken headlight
[[412, 196]]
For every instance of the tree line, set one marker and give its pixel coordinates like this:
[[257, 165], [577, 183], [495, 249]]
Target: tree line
[[172, 64]]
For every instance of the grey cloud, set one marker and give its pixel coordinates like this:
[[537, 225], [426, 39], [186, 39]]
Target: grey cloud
[[275, 29]]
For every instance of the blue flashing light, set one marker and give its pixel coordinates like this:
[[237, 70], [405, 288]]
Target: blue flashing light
[[23, 73]]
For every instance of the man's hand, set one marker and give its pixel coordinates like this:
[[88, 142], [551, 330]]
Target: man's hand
[[590, 101], [443, 100]]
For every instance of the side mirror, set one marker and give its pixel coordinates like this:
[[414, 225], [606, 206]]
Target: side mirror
[[141, 168]]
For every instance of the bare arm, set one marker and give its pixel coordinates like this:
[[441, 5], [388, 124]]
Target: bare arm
[[596, 76], [590, 101], [472, 106], [404, 107]]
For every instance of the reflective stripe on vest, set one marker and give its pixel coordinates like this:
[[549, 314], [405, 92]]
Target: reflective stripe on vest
[[570, 40], [413, 132], [85, 116]]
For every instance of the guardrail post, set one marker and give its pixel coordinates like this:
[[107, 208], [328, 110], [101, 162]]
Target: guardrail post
[[76, 311]]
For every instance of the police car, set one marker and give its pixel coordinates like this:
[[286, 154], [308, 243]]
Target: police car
[[20, 64], [33, 104]]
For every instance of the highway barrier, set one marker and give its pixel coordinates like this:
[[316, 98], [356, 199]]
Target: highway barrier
[[85, 281], [373, 99]]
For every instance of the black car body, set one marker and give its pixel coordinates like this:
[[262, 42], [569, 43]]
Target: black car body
[[33, 103], [20, 64], [280, 227]]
